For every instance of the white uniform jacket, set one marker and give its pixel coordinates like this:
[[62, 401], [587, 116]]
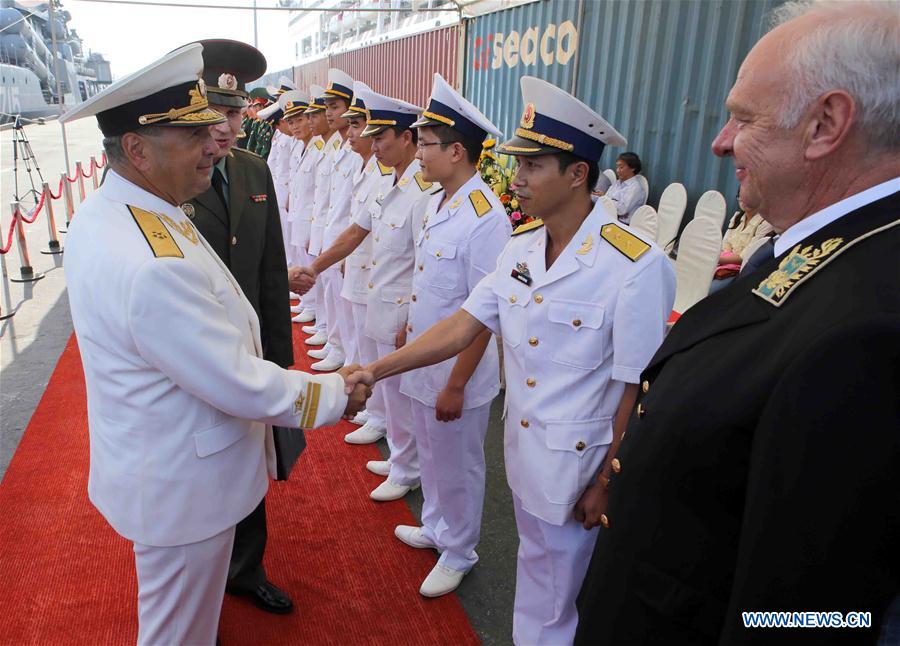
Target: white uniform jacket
[[178, 397], [395, 219], [346, 165], [278, 160], [457, 247], [322, 195], [572, 339], [370, 181], [303, 187]]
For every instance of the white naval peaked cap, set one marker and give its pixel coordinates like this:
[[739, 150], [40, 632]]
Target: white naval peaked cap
[[387, 112], [358, 105], [292, 96], [555, 121], [268, 111], [340, 84], [450, 108], [285, 84], [316, 99], [168, 92]]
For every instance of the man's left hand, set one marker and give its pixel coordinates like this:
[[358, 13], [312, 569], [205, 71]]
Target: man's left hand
[[591, 505], [449, 404]]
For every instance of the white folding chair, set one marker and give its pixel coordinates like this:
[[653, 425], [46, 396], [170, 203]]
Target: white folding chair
[[711, 205], [670, 211], [646, 221], [646, 187], [610, 175], [698, 257]]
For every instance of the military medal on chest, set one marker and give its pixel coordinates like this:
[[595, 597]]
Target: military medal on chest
[[521, 273]]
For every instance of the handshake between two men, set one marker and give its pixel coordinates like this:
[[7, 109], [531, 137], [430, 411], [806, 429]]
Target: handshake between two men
[[357, 389]]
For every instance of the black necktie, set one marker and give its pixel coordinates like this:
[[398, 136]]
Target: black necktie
[[761, 256], [218, 183]]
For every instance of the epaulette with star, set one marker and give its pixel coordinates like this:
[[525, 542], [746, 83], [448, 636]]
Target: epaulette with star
[[530, 226], [161, 242], [623, 241], [479, 202]]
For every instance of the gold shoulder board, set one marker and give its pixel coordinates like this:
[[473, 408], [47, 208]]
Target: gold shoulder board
[[624, 241], [319, 144], [531, 226], [385, 170], [423, 185], [157, 235], [479, 202]]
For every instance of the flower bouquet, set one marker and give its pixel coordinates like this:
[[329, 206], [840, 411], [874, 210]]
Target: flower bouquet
[[496, 171]]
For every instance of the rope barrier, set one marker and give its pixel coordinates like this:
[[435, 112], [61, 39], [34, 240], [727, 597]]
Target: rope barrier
[[12, 227], [58, 191]]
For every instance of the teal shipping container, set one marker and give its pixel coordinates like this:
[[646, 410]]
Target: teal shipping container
[[658, 70]]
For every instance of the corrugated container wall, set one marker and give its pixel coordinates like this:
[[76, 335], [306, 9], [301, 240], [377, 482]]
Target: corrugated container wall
[[402, 68], [658, 70]]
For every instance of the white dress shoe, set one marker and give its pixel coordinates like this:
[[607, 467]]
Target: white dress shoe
[[388, 490], [296, 318], [294, 296], [320, 354], [366, 434], [414, 537], [361, 417], [306, 316], [319, 338], [379, 467], [440, 581], [309, 329], [327, 365], [296, 309]]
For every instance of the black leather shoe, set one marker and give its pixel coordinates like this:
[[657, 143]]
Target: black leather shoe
[[270, 598]]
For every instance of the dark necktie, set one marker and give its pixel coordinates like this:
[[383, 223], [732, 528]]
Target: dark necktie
[[218, 184], [761, 256]]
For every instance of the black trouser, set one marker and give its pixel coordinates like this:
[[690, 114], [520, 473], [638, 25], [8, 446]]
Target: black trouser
[[246, 571]]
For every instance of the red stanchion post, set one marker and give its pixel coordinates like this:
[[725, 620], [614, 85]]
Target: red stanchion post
[[79, 173], [69, 200], [94, 168], [27, 273], [54, 246]]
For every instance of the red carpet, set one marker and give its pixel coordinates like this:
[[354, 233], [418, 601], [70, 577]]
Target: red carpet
[[68, 578]]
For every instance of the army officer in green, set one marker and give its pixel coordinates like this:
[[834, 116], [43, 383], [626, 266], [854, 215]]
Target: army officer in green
[[238, 216]]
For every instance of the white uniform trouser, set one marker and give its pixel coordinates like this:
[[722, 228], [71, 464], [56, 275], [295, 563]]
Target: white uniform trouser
[[332, 282], [348, 331], [303, 259], [180, 590], [318, 298], [451, 456], [550, 568], [368, 352], [400, 437], [286, 236]]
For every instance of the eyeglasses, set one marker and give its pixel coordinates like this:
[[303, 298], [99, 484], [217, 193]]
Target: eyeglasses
[[422, 145]]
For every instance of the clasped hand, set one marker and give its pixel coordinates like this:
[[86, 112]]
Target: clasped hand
[[357, 390], [301, 279]]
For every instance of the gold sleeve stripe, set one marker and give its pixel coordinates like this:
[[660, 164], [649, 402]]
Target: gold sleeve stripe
[[157, 235], [313, 391]]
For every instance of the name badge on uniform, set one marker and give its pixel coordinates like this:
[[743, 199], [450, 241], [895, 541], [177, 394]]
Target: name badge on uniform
[[521, 273]]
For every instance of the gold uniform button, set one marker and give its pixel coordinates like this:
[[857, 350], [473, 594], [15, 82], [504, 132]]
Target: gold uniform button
[[533, 341], [524, 423], [233, 241], [438, 254], [640, 410], [413, 298], [377, 238], [580, 446], [409, 328], [538, 298], [530, 382], [371, 285], [604, 520], [427, 236], [373, 262], [513, 299], [577, 322], [421, 267], [399, 301], [616, 465], [645, 386]]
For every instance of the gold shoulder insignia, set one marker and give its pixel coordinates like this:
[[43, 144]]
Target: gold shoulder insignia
[[531, 226], [385, 170], [337, 144], [628, 244], [479, 202], [319, 144], [796, 267], [157, 235], [423, 185]]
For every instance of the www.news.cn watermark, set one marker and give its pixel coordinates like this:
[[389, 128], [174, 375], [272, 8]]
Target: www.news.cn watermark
[[807, 619]]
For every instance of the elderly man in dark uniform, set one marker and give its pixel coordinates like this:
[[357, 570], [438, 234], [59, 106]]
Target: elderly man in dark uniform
[[760, 470], [238, 216]]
